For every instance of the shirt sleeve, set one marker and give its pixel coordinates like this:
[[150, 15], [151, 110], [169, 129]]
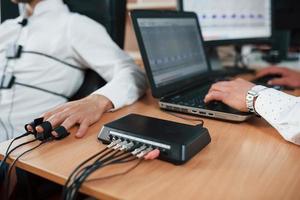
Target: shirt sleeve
[[282, 111], [94, 48]]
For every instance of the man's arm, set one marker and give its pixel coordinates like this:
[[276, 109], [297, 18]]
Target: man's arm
[[281, 110], [84, 112], [92, 47]]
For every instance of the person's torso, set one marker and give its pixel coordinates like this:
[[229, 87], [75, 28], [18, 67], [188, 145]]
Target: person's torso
[[47, 34]]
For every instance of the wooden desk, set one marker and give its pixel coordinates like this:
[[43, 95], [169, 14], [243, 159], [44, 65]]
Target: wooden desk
[[244, 161]]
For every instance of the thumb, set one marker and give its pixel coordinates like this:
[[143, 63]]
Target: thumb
[[83, 128]]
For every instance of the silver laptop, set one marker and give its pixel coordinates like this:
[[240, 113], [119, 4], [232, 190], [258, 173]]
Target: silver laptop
[[179, 74]]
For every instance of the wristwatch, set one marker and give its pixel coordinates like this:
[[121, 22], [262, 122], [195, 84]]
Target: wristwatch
[[252, 94]]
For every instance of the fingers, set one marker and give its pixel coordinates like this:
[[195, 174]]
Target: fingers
[[217, 91], [214, 96], [55, 120], [29, 128], [83, 128], [58, 109], [68, 123], [279, 81], [221, 86], [270, 71], [83, 112]]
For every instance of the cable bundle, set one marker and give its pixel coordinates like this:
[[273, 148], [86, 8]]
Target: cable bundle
[[117, 152], [44, 137], [8, 152]]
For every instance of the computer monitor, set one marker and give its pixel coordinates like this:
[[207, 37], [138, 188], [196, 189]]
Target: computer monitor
[[232, 21], [286, 31], [285, 14]]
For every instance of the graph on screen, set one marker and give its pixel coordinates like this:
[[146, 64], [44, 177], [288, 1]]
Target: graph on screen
[[232, 19], [174, 48]]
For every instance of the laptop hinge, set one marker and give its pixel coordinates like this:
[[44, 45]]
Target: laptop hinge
[[181, 91], [184, 89]]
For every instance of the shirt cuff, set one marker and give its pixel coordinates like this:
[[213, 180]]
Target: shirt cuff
[[281, 111], [112, 96], [270, 102]]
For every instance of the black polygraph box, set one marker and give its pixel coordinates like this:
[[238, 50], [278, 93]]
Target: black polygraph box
[[177, 142]]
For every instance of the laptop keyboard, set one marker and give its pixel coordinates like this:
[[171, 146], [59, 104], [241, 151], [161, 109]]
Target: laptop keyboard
[[194, 98]]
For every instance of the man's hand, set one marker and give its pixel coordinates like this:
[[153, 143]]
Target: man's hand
[[84, 112], [288, 77], [233, 93]]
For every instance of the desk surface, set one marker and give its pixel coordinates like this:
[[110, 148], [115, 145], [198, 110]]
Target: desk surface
[[249, 160]]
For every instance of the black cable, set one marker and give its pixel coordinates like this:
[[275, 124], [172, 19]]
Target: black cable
[[16, 138], [100, 162], [13, 164], [5, 129], [16, 147], [117, 174], [3, 73], [186, 118], [112, 156], [68, 189], [74, 188], [11, 110], [41, 89], [103, 156], [78, 176], [85, 176], [83, 163], [53, 58], [79, 171], [7, 60]]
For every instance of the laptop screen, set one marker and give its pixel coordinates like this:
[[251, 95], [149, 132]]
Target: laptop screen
[[174, 49]]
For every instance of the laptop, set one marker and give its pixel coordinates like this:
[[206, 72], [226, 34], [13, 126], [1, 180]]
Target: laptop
[[176, 65]]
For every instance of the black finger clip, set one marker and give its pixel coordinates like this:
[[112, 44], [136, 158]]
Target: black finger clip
[[46, 134], [61, 132], [34, 124]]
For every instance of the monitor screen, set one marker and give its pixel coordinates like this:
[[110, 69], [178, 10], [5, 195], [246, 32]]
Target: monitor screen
[[232, 19], [173, 47]]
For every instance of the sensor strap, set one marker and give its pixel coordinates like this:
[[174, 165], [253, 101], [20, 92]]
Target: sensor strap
[[46, 134], [61, 132], [41, 89]]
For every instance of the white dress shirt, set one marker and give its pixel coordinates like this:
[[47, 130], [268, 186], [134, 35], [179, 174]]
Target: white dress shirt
[[73, 38], [282, 111]]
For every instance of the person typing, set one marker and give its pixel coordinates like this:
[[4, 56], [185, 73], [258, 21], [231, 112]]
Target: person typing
[[281, 110]]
